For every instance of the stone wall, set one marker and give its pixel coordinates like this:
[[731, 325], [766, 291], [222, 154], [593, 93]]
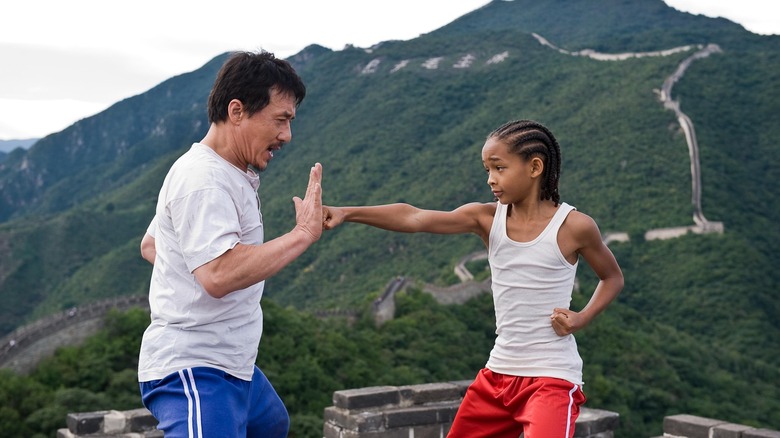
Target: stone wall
[[419, 411], [383, 307], [22, 349]]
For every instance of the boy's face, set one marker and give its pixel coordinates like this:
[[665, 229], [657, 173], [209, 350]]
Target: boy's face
[[509, 175]]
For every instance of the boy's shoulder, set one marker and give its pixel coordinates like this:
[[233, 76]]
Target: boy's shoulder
[[481, 208], [579, 223], [576, 217]]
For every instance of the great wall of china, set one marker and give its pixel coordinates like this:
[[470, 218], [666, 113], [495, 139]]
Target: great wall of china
[[23, 338], [427, 413]]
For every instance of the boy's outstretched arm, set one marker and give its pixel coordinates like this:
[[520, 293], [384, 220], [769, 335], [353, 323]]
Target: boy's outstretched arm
[[591, 247], [393, 217], [406, 218]]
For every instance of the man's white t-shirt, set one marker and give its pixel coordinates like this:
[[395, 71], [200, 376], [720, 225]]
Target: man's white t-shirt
[[206, 206]]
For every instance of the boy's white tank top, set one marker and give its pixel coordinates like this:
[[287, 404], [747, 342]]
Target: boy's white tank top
[[529, 280]]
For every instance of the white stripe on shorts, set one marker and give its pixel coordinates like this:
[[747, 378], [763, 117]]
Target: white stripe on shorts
[[187, 385], [568, 413]]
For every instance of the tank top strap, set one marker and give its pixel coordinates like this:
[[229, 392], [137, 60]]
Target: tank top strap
[[498, 229], [563, 211]]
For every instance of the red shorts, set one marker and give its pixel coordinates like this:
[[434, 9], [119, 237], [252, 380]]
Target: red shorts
[[498, 405]]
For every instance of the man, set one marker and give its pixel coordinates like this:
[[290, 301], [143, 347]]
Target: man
[[197, 369]]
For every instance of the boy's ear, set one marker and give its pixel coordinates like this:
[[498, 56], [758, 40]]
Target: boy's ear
[[537, 167]]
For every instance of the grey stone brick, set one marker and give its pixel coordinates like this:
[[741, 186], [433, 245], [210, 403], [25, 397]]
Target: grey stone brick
[[85, 422], [446, 413], [414, 416], [374, 396], [689, 426], [432, 431], [330, 430], [729, 430], [141, 420], [761, 433], [360, 421], [429, 393], [593, 421]]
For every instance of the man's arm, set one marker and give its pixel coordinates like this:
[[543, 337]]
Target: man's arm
[[148, 252], [245, 265]]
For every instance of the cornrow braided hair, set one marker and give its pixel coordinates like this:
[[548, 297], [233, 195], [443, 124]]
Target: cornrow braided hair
[[528, 138]]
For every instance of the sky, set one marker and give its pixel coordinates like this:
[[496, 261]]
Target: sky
[[62, 61]]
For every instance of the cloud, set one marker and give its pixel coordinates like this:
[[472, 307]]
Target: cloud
[[28, 116], [89, 75]]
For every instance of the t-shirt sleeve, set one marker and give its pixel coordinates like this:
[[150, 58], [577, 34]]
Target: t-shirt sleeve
[[152, 228], [206, 224]]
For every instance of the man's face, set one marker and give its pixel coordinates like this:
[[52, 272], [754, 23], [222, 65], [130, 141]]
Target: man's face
[[267, 130]]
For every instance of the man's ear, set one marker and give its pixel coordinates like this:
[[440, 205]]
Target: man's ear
[[235, 111]]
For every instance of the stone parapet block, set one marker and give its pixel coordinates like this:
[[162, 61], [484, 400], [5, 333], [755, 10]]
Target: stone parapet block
[[692, 426], [596, 423], [135, 423]]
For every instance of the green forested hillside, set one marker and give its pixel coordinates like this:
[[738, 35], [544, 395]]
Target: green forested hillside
[[698, 317]]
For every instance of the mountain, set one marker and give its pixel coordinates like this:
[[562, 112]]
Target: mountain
[[9, 145], [404, 121]]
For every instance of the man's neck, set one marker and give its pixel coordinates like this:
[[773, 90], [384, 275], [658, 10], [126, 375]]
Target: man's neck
[[220, 141]]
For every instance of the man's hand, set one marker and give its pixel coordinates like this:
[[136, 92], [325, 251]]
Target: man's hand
[[308, 211]]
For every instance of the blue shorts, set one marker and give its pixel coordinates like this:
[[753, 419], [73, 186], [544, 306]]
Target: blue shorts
[[205, 402]]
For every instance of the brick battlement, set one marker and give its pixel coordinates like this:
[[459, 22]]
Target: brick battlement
[[420, 411]]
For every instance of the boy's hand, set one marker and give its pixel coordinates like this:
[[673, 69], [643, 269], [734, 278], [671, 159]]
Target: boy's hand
[[566, 322], [332, 217]]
